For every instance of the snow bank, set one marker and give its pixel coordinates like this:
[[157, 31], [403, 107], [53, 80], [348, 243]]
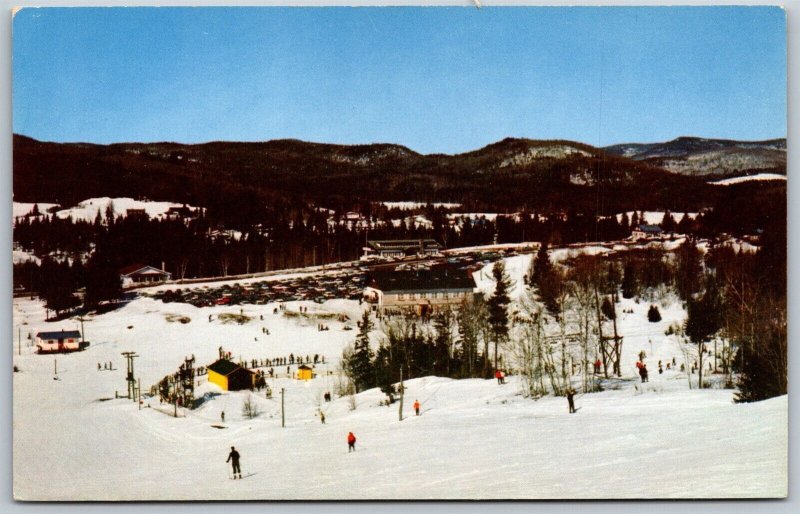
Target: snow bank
[[749, 178]]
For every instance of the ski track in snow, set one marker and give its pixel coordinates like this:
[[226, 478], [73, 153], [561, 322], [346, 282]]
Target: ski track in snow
[[474, 438]]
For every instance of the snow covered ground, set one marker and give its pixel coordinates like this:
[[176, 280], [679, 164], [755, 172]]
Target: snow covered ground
[[24, 208], [87, 210], [749, 178], [474, 438]]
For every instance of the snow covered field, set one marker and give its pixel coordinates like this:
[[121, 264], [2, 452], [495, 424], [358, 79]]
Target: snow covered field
[[474, 438]]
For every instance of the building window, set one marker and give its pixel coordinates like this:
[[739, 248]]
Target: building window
[[412, 296], [401, 296]]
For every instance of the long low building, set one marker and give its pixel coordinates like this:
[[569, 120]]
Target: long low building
[[404, 247], [59, 341], [422, 292]]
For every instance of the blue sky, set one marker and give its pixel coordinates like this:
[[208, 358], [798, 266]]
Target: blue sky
[[442, 80]]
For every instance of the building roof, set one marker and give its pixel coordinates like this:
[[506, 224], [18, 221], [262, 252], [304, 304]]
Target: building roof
[[303, 367], [650, 229], [225, 367], [61, 334], [138, 269], [436, 279], [402, 244]]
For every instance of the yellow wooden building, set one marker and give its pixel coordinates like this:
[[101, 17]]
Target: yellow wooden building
[[305, 373], [230, 376]]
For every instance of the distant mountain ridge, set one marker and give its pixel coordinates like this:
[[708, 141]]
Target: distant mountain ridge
[[712, 158], [543, 176]]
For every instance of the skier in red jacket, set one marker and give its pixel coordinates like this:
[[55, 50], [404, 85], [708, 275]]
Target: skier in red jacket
[[499, 376], [351, 442], [416, 407]]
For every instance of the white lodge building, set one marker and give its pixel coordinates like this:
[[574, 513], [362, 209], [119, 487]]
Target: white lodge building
[[422, 292], [404, 248]]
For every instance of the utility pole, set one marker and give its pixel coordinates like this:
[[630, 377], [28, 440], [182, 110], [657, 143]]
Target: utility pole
[[139, 393], [129, 377], [283, 417], [83, 337], [402, 391], [55, 366]]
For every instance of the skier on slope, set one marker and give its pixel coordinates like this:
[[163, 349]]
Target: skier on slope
[[499, 376], [233, 458], [416, 407], [351, 442], [571, 400]]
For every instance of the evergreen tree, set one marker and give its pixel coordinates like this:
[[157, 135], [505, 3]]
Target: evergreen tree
[[359, 365], [689, 269], [384, 372], [540, 265], [498, 306], [103, 282], [57, 287], [629, 285], [653, 314], [471, 316], [668, 222], [635, 221], [443, 324], [704, 319], [625, 224], [546, 280]]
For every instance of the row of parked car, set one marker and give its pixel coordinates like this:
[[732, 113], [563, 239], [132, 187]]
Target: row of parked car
[[346, 284], [318, 288]]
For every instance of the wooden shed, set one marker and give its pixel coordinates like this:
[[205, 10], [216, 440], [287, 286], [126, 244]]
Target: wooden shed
[[230, 376], [304, 373]]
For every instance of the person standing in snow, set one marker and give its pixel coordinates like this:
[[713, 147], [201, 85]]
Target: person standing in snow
[[571, 400], [351, 442], [597, 365], [498, 376], [233, 458], [322, 417], [416, 407], [644, 373], [222, 416]]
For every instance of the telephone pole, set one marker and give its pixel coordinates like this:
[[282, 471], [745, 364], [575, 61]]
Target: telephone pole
[[283, 417], [129, 377], [83, 337], [402, 391]]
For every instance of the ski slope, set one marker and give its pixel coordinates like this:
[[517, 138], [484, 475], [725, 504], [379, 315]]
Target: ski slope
[[474, 439]]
